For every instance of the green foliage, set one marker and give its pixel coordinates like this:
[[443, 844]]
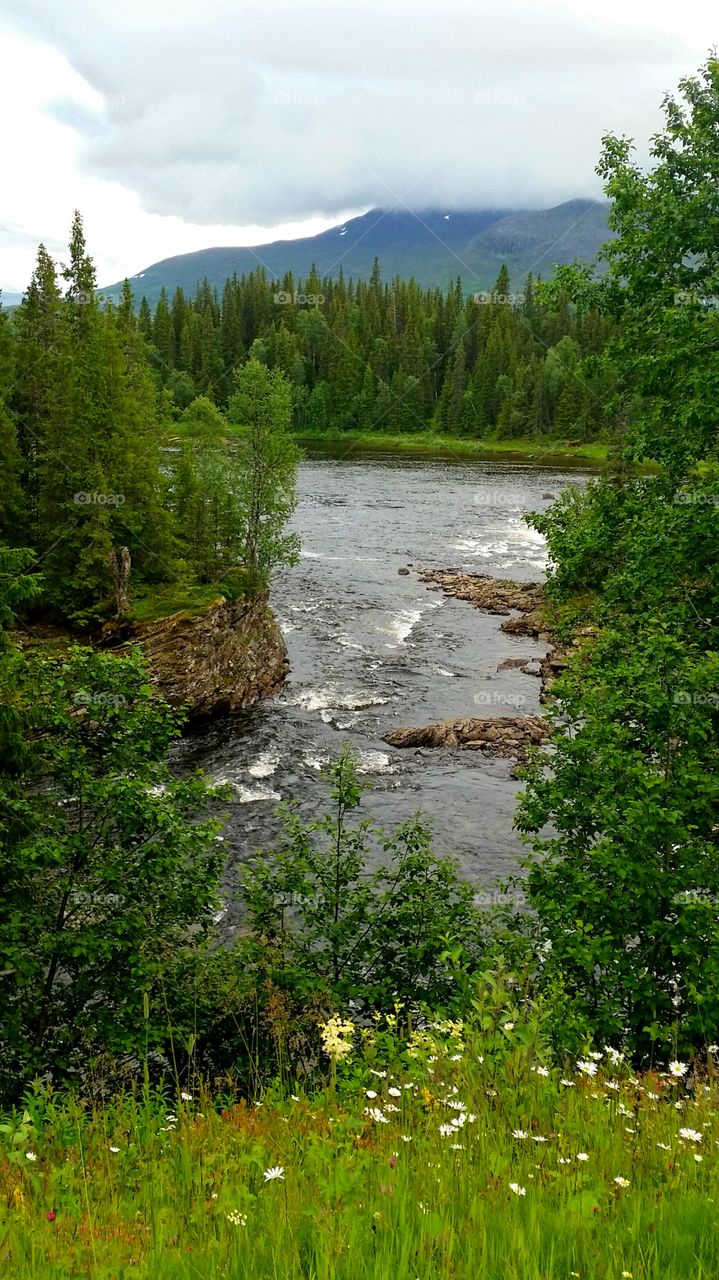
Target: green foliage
[[88, 399], [662, 284], [105, 864], [261, 406], [206, 493], [626, 885], [87, 428], [395, 358], [626, 888], [329, 928]]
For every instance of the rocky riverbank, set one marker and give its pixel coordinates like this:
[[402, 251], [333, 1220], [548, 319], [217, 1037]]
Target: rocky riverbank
[[521, 604], [224, 658]]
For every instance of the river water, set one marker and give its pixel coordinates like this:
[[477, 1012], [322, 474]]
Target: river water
[[372, 650]]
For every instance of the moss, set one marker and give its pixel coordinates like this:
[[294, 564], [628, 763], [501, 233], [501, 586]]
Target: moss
[[160, 600]]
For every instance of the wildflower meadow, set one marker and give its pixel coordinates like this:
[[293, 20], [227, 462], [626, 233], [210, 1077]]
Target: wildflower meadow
[[431, 1149]]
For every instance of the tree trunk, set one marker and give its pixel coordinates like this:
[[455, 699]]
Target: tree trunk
[[120, 569]]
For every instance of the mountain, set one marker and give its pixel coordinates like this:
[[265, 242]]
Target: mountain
[[540, 240], [8, 300], [435, 247]]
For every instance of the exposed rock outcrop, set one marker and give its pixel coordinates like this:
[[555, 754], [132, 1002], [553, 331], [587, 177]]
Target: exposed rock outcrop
[[507, 736], [495, 595], [230, 655]]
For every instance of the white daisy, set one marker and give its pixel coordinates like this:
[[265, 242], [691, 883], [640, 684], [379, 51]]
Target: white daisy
[[691, 1135], [587, 1068], [378, 1116]]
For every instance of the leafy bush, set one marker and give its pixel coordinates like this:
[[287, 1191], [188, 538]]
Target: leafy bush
[[323, 923]]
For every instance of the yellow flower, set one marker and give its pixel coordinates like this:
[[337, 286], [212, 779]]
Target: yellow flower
[[337, 1038]]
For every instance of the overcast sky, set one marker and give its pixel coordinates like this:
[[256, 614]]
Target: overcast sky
[[180, 124]]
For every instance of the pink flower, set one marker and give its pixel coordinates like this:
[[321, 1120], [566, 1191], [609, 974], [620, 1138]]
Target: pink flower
[[51, 1216]]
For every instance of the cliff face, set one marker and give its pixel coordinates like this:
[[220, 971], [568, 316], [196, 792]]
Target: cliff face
[[227, 657]]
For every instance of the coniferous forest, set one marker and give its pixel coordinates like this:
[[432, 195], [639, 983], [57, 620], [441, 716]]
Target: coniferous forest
[[391, 357]]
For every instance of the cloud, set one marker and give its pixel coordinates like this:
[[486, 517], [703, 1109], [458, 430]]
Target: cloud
[[178, 124], [269, 112]]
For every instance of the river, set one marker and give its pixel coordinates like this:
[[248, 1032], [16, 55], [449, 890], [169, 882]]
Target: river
[[372, 650]]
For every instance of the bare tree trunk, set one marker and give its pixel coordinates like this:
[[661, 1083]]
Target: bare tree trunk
[[120, 568]]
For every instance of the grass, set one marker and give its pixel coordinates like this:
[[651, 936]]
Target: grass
[[154, 601], [548, 449], [401, 1166]]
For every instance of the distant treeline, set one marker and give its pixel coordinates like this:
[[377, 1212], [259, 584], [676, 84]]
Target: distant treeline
[[372, 356]]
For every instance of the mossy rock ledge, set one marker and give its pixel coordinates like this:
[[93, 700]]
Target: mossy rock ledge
[[225, 657]]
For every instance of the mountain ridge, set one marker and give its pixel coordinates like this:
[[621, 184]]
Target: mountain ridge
[[433, 246]]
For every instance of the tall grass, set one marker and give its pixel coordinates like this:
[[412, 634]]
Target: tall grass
[[445, 1153], [539, 447]]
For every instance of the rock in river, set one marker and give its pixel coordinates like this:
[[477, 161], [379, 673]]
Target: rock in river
[[507, 736]]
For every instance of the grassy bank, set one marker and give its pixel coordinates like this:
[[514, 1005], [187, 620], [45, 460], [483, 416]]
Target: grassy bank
[[446, 1155], [160, 600], [537, 448]]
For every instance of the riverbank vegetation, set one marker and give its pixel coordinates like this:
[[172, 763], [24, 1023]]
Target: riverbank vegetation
[[539, 449], [626, 888]]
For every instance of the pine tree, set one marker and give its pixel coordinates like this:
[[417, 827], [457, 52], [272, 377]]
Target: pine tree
[[163, 337]]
